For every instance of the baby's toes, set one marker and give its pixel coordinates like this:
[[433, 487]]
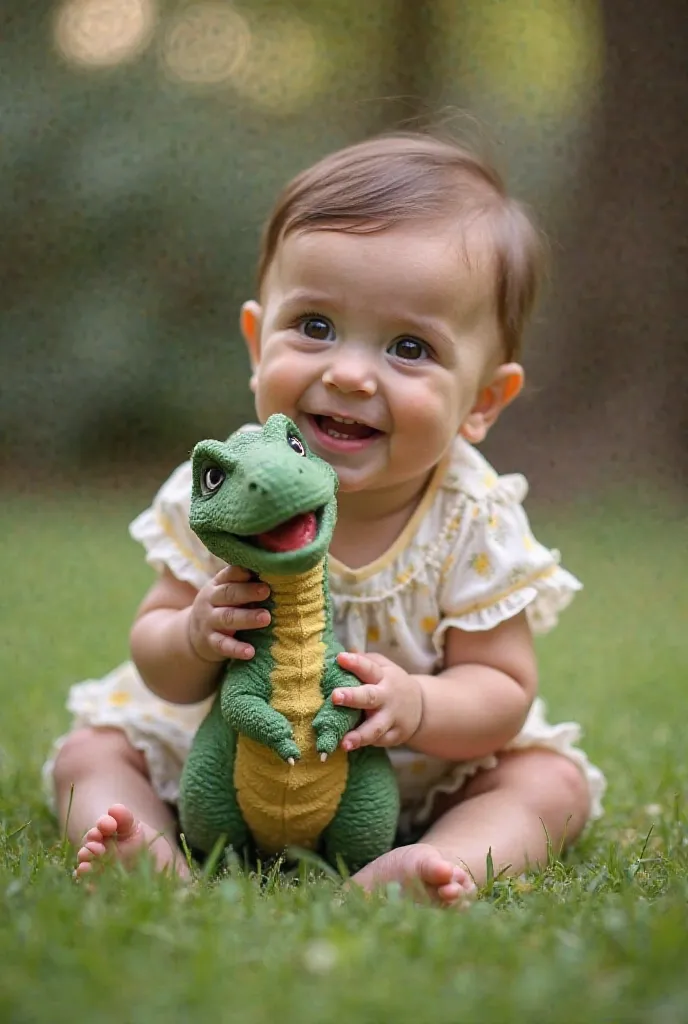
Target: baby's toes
[[460, 889], [107, 826], [82, 869], [94, 835], [89, 852], [450, 893], [95, 849], [463, 879], [124, 819]]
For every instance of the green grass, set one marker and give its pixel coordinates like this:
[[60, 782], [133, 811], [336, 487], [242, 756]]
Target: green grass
[[601, 936]]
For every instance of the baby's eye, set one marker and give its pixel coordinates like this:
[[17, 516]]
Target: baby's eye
[[410, 349], [317, 328]]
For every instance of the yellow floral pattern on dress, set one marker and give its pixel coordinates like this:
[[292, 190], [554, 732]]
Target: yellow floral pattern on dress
[[429, 624], [119, 698], [481, 564]]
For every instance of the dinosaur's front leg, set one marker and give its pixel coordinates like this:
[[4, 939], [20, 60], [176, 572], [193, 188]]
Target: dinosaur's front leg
[[333, 722], [246, 708]]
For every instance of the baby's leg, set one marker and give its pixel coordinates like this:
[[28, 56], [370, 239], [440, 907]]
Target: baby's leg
[[114, 807], [511, 810], [505, 810]]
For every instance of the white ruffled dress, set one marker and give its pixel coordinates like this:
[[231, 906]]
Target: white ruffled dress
[[467, 559]]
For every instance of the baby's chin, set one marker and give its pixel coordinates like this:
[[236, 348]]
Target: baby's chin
[[351, 479]]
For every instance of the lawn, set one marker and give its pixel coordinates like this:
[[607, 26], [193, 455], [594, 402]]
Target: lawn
[[601, 936]]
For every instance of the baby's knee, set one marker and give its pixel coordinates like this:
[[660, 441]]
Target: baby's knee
[[551, 782], [565, 784], [559, 793], [85, 748]]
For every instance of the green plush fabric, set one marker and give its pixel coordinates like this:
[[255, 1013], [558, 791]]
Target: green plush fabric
[[266, 771]]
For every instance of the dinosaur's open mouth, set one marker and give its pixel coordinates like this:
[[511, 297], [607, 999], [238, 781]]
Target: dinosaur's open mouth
[[293, 535]]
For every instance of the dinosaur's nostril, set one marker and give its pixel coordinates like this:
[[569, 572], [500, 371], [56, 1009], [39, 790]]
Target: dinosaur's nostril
[[252, 486]]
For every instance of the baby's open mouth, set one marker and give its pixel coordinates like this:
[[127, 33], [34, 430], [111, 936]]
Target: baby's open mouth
[[344, 429], [296, 533]]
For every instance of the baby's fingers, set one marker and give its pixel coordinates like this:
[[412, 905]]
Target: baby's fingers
[[233, 619], [232, 574], [363, 668], [363, 697], [371, 733], [230, 647], [233, 593]]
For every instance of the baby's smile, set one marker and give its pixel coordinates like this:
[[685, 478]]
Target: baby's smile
[[342, 433]]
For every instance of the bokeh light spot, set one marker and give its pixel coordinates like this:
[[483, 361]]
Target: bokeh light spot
[[537, 58], [103, 33], [205, 44], [287, 66]]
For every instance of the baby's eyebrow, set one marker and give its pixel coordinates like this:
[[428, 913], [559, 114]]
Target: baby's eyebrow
[[306, 297], [426, 326]]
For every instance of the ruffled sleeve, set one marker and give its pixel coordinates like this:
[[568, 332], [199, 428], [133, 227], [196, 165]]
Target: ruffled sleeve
[[164, 531], [496, 568]]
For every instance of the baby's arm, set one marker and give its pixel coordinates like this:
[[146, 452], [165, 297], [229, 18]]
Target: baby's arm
[[482, 697], [473, 707], [181, 636]]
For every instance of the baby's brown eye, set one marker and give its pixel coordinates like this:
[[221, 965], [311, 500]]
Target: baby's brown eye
[[409, 348], [317, 328]]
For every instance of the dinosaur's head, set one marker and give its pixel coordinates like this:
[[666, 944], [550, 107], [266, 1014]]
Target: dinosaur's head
[[262, 500]]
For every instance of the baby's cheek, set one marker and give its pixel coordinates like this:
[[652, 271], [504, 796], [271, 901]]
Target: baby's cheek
[[427, 433], [280, 381]]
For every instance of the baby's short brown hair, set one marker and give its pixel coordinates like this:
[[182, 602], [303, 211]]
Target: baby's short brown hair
[[409, 176]]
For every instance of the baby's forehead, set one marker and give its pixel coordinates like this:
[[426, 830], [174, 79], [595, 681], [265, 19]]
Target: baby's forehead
[[413, 253]]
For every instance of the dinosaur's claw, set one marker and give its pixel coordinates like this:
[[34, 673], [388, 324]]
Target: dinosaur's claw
[[323, 757], [288, 751]]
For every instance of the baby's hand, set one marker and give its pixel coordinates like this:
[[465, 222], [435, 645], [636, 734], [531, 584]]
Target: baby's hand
[[391, 698], [219, 610]]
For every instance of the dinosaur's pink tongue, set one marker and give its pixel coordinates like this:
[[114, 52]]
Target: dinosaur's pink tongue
[[290, 536]]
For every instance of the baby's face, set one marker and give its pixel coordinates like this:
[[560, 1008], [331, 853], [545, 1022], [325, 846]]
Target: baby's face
[[377, 346]]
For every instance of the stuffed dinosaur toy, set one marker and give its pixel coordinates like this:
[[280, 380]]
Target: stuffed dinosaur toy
[[266, 769]]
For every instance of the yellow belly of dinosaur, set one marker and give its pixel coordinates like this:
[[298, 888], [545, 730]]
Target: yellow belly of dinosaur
[[283, 804]]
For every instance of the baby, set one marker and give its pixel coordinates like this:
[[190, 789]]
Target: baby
[[395, 280]]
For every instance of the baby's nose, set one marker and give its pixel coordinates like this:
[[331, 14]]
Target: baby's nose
[[351, 371]]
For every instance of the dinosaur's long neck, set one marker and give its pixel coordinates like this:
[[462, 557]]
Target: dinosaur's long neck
[[299, 629], [299, 604]]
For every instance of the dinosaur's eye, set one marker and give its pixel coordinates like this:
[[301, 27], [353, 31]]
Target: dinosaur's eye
[[212, 477], [294, 443]]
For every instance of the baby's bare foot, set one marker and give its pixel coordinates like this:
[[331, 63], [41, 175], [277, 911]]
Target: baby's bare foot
[[118, 833], [422, 870]]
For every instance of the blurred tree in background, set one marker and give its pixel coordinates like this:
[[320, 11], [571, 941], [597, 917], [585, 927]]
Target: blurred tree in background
[[144, 143]]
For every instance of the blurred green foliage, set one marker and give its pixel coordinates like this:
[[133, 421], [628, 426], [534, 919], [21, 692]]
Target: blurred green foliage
[[136, 170]]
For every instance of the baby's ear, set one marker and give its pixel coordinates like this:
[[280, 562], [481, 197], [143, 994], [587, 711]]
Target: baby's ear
[[505, 385], [250, 321]]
